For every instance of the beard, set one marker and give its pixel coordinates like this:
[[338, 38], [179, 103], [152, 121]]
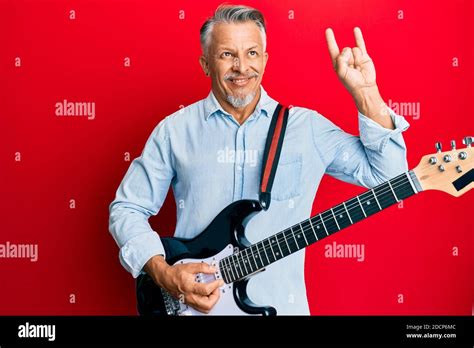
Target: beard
[[240, 102]]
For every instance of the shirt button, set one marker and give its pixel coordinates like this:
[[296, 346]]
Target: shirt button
[[239, 167]]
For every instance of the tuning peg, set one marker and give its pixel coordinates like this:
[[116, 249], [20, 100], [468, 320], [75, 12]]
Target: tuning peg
[[447, 158], [453, 144], [438, 147], [467, 141]]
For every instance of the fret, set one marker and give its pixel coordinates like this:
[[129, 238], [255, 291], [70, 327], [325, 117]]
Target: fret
[[370, 207], [261, 255], [329, 221], [238, 266], [298, 236], [304, 234], [255, 258], [335, 220], [224, 270], [275, 241], [312, 228], [347, 212], [248, 260], [231, 268], [375, 196], [320, 227], [385, 195], [403, 188], [365, 215], [265, 251], [243, 262], [411, 182], [324, 225], [287, 245], [355, 209], [294, 237], [271, 248], [235, 266], [308, 232], [343, 219], [394, 195]]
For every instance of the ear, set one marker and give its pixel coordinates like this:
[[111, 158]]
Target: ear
[[265, 59], [204, 64]]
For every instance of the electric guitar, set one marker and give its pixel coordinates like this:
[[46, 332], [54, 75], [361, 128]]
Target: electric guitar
[[223, 243]]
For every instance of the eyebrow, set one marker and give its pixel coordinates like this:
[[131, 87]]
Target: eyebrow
[[231, 49]]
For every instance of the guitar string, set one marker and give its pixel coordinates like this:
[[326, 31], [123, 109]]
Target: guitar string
[[280, 237]]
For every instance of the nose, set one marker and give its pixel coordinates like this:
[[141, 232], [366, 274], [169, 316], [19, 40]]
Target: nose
[[240, 64]]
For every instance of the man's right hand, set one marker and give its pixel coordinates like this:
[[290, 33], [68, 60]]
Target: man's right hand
[[180, 281]]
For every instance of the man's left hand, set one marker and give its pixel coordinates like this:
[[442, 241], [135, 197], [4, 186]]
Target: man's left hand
[[356, 71], [353, 66]]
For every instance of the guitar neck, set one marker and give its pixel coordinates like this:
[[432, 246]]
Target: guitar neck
[[284, 243]]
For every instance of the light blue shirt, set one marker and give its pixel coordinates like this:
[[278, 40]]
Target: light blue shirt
[[211, 161]]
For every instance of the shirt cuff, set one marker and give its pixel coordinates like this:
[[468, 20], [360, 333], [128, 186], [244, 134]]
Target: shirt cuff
[[138, 250], [375, 137]]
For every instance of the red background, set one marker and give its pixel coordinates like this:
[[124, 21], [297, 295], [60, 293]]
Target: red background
[[408, 250]]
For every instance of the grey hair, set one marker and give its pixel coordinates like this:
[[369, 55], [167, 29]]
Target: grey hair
[[232, 14]]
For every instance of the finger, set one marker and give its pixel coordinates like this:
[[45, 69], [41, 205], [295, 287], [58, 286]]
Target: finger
[[346, 57], [205, 303], [208, 288], [200, 268], [332, 45], [357, 53], [359, 39], [214, 297]]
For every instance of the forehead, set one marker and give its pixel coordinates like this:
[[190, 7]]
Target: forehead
[[236, 34]]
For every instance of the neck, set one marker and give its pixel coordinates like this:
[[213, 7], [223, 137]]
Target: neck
[[239, 114], [259, 255]]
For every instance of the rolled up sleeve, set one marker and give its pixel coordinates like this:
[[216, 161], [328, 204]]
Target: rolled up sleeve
[[376, 138], [375, 156]]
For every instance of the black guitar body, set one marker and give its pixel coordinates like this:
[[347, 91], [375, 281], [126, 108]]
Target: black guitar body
[[227, 228]]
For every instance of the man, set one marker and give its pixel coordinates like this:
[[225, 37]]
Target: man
[[211, 153]]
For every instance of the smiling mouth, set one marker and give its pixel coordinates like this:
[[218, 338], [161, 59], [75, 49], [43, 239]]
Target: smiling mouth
[[240, 81]]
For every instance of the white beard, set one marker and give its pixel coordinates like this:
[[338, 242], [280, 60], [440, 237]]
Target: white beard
[[238, 102]]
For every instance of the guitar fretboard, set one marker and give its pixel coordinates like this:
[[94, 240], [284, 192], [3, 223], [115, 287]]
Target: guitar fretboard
[[259, 255]]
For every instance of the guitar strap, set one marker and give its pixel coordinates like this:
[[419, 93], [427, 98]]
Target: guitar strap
[[271, 153]]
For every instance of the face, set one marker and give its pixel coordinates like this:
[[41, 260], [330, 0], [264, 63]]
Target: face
[[235, 61]]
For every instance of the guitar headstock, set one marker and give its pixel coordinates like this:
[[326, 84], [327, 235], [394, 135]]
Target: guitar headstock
[[449, 171]]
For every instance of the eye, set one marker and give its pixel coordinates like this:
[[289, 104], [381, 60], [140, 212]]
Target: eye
[[226, 54], [253, 53]]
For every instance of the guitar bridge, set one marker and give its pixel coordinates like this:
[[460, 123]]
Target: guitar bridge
[[172, 305]]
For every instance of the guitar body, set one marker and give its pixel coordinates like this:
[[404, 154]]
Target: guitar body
[[219, 240]]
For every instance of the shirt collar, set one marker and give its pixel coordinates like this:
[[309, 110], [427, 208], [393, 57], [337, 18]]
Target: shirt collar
[[212, 106]]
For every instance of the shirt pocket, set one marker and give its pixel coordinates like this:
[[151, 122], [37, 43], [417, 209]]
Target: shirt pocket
[[287, 183]]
